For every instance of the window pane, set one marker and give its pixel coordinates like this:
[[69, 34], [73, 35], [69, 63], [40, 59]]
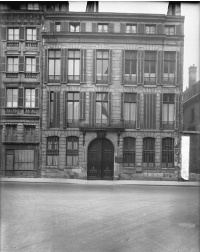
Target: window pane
[[70, 67], [105, 67], [99, 67], [70, 110], [51, 67], [104, 111], [164, 112], [127, 67], [171, 112], [76, 110], [57, 67], [76, 67], [98, 110]]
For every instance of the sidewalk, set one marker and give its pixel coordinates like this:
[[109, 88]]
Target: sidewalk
[[102, 182]]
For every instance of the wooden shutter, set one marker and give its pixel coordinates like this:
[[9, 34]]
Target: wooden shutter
[[83, 66], [82, 105], [122, 106], [82, 27], [160, 67], [110, 68], [21, 97], [3, 97], [21, 33], [110, 107], [64, 58], [45, 66], [178, 30], [123, 67], [37, 64], [3, 33], [65, 26], [94, 27], [3, 64], [38, 33], [111, 28], [138, 110], [57, 109], [21, 63], [178, 68], [177, 107], [48, 109], [140, 66], [37, 98], [94, 66], [122, 27], [65, 109], [161, 106], [160, 29], [51, 26], [141, 28]]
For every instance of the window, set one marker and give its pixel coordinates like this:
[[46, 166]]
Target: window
[[54, 65], [13, 34], [102, 27], [52, 151], [74, 27], [11, 132], [130, 66], [33, 6], [53, 109], [30, 98], [72, 151], [30, 65], [102, 114], [169, 30], [130, 106], [31, 34], [129, 151], [74, 66], [148, 152], [150, 68], [102, 66], [131, 28], [57, 26], [13, 64], [12, 97], [150, 29], [29, 133], [168, 111], [169, 67], [167, 152], [73, 109]]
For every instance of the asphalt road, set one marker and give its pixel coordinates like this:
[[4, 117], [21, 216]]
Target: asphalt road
[[79, 218]]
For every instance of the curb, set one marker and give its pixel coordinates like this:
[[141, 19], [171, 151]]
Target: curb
[[102, 182]]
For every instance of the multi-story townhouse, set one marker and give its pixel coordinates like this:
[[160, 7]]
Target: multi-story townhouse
[[20, 88], [112, 86]]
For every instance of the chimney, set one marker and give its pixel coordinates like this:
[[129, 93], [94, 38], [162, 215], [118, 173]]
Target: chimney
[[92, 6], [174, 9], [192, 75]]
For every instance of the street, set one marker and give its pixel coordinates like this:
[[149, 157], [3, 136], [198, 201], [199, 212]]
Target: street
[[46, 217]]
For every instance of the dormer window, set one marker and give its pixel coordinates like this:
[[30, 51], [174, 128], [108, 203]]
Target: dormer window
[[131, 28], [74, 27], [150, 29], [102, 27]]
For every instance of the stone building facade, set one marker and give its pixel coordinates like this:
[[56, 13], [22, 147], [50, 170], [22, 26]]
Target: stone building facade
[[111, 86]]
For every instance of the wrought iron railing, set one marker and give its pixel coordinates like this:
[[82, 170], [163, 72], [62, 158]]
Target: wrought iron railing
[[31, 75], [103, 124], [168, 125], [169, 80], [129, 124], [11, 75], [130, 79], [12, 44], [149, 80], [31, 111], [31, 44], [29, 138], [9, 111], [10, 138]]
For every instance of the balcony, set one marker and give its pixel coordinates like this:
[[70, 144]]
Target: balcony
[[12, 44], [10, 138], [30, 138], [150, 80], [130, 79], [31, 111], [102, 124], [129, 124], [169, 80], [31, 75], [21, 111], [54, 78], [11, 111], [31, 44], [168, 125], [11, 75]]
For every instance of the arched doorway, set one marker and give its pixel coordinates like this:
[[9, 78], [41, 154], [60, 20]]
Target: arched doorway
[[100, 160]]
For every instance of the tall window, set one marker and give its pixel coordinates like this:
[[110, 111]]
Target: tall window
[[11, 132], [74, 66], [149, 152], [169, 67], [169, 29], [102, 66], [74, 27], [31, 65], [130, 66], [30, 98], [130, 106], [167, 152], [73, 108], [150, 29], [12, 97], [13, 64], [13, 34], [57, 26], [72, 151], [150, 68], [131, 28], [29, 132], [102, 114], [102, 27], [54, 65], [168, 109], [52, 151], [31, 34], [129, 151]]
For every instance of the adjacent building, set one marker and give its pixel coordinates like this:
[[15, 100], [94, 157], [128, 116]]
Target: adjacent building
[[109, 93]]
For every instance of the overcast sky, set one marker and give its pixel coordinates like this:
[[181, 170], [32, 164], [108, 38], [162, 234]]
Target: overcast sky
[[191, 11]]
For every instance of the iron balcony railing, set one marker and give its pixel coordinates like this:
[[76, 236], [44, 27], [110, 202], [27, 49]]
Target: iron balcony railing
[[168, 125], [169, 80], [27, 111], [30, 138], [10, 138], [12, 44], [103, 124], [149, 80]]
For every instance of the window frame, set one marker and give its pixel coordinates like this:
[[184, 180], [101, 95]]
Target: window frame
[[32, 65], [102, 27], [74, 78], [131, 28], [150, 26], [14, 30], [75, 25], [73, 152], [13, 65], [149, 62], [29, 132], [52, 141], [169, 63], [148, 153], [167, 30], [32, 102], [33, 34], [102, 78], [56, 60], [12, 96], [57, 26], [129, 153], [167, 153]]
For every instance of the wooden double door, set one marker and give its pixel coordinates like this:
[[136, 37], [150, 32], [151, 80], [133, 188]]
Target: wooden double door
[[100, 160]]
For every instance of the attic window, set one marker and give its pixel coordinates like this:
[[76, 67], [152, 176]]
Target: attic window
[[33, 6], [169, 29], [74, 27], [150, 29], [102, 27]]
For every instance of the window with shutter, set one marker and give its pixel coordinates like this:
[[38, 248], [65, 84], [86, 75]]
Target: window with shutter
[[12, 64], [13, 34], [57, 26], [30, 98], [169, 29], [131, 28], [150, 29], [30, 64], [31, 34], [102, 27], [74, 27]]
